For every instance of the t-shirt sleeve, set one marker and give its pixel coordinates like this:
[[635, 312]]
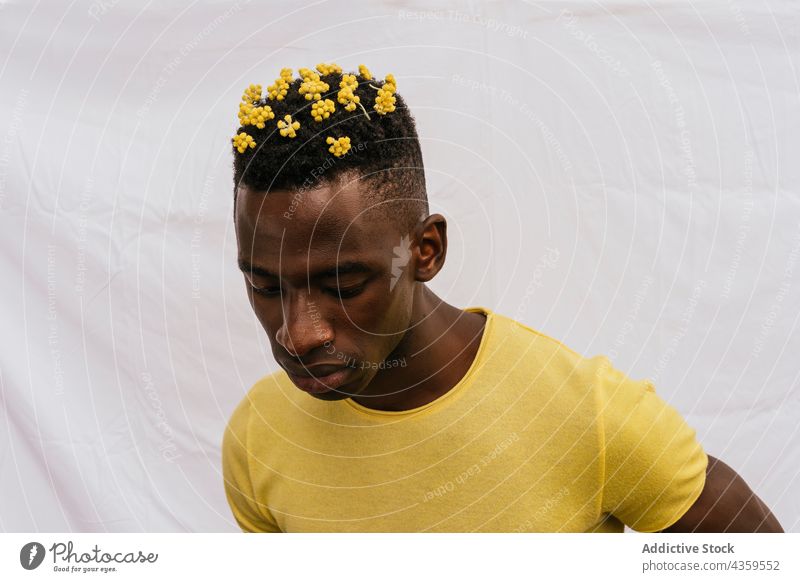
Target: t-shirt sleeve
[[655, 468], [248, 512]]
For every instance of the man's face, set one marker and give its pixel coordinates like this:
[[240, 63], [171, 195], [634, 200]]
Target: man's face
[[319, 272]]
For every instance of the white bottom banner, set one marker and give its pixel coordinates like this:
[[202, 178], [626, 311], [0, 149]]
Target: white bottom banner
[[352, 557]]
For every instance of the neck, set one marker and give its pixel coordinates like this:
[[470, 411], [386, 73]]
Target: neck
[[439, 347]]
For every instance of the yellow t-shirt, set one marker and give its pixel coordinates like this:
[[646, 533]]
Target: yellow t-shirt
[[534, 438]]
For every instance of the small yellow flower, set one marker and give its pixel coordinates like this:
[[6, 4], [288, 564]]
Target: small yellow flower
[[260, 115], [346, 95], [244, 113], [312, 87], [288, 127], [329, 68], [252, 115], [364, 71], [242, 141], [322, 109], [349, 82], [385, 100], [280, 87], [252, 94], [339, 147]]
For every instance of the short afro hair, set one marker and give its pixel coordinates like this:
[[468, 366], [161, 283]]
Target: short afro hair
[[384, 151]]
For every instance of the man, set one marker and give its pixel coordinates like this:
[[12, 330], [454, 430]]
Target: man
[[395, 411]]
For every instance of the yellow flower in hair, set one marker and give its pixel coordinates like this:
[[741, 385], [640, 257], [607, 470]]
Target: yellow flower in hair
[[251, 115], [346, 95], [329, 68], [244, 113], [322, 109], [280, 87], [242, 141], [260, 115], [252, 94], [339, 147], [364, 71], [288, 127], [305, 74], [349, 82], [385, 100], [312, 87]]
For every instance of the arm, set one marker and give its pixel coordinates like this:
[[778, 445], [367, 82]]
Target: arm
[[726, 505], [657, 476]]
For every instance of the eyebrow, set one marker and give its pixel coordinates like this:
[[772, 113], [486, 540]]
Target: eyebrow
[[342, 269]]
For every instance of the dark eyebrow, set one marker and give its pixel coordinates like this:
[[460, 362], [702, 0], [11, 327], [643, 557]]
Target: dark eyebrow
[[342, 269], [247, 268]]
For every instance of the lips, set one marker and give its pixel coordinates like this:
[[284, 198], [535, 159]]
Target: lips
[[321, 379]]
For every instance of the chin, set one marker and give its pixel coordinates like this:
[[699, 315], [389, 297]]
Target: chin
[[352, 388], [332, 395]]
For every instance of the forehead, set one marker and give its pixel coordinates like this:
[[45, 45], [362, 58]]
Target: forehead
[[314, 227]]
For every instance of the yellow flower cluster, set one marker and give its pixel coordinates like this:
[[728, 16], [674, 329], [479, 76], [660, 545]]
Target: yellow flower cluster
[[242, 141], [322, 109], [288, 127], [244, 113], [312, 87], [346, 95], [329, 68], [280, 88], [254, 111], [258, 116], [384, 102], [252, 94], [339, 147], [249, 111]]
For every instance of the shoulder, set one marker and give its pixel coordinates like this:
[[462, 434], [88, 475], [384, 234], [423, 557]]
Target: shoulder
[[246, 432], [242, 441], [518, 335], [603, 389], [550, 359], [558, 380]]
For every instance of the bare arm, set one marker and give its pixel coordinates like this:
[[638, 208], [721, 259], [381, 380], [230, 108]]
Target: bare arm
[[726, 504]]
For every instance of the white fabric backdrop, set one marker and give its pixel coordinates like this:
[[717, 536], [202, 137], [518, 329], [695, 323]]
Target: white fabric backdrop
[[621, 176]]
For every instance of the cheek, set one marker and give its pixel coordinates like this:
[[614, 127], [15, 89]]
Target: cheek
[[385, 313], [264, 313]]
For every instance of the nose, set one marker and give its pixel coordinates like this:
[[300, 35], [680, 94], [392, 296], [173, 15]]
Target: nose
[[304, 327]]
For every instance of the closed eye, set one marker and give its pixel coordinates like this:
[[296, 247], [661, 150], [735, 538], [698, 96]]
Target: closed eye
[[266, 291], [340, 293], [346, 293]]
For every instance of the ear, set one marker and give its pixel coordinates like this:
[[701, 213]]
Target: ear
[[431, 247]]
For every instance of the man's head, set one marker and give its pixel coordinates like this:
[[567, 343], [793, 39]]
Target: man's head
[[333, 249], [384, 151]]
